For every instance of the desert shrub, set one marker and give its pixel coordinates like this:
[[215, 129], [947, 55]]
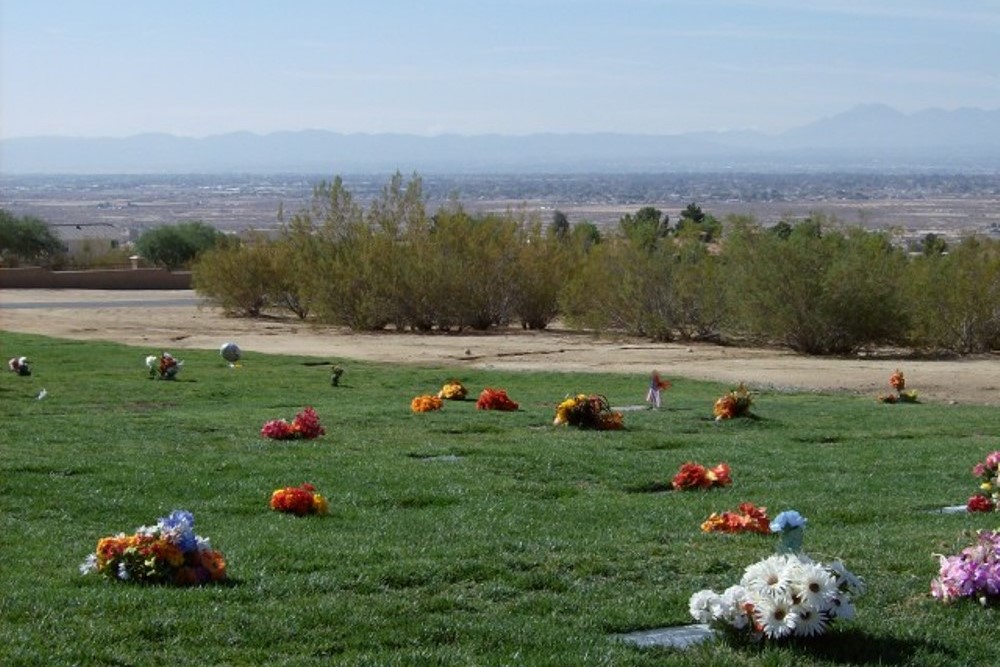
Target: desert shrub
[[239, 278], [817, 290], [954, 298], [623, 286], [543, 264]]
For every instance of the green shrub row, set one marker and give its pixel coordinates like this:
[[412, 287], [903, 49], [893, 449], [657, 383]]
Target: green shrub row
[[813, 285]]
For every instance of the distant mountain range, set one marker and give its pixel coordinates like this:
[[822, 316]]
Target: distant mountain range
[[871, 137]]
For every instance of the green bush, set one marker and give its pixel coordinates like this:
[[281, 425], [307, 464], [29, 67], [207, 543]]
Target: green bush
[[176, 246]]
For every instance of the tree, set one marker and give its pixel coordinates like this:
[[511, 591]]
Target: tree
[[27, 239], [560, 224], [176, 246], [696, 222], [646, 227], [934, 245]]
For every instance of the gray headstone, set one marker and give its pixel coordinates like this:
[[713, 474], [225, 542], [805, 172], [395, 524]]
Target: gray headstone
[[952, 509], [681, 636]]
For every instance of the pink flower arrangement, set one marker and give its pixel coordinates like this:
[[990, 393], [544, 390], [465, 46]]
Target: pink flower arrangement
[[972, 573], [305, 425], [988, 496]]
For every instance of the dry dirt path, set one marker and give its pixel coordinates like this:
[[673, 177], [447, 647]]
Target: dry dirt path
[[173, 320]]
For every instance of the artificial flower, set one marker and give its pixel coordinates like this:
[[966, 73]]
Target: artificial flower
[[734, 404], [163, 367], [897, 381], [453, 390], [898, 384], [495, 399], [988, 473], [747, 519], [591, 411], [19, 365], [299, 500], [168, 553], [781, 596], [697, 476], [426, 403], [305, 426], [972, 573]]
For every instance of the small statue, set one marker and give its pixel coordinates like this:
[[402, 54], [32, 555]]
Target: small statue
[[335, 374]]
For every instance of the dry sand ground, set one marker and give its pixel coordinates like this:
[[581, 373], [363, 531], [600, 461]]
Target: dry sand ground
[[171, 320]]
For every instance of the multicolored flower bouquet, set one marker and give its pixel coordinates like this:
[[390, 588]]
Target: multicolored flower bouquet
[[167, 553], [19, 365], [305, 426], [898, 383], [734, 404], [163, 367], [495, 399], [426, 403], [299, 500], [747, 519], [785, 595], [987, 499], [453, 390], [591, 411], [972, 573], [697, 476]]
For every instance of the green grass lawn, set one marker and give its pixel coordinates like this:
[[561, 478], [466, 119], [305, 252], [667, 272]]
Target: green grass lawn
[[458, 537]]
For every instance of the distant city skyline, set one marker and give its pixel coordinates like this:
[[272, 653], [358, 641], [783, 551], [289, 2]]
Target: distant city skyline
[[116, 68]]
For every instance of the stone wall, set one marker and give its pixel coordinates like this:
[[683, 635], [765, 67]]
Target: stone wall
[[124, 279]]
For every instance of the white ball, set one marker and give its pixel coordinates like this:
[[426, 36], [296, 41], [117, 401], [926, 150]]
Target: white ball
[[231, 352]]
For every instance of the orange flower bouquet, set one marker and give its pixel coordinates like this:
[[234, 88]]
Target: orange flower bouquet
[[453, 390], [747, 519], [495, 399], [585, 411], [898, 383], [299, 500], [734, 404], [426, 403], [697, 476]]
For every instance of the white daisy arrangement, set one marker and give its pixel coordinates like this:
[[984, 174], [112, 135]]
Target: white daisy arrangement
[[785, 595], [782, 596]]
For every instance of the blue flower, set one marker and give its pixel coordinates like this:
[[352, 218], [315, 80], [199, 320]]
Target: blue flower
[[179, 529], [787, 520]]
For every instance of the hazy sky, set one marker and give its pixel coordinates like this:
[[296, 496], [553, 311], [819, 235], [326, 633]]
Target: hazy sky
[[200, 67]]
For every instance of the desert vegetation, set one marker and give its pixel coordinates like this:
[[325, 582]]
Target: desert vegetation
[[813, 284]]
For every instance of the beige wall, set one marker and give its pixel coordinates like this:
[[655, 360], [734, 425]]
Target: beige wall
[[98, 279]]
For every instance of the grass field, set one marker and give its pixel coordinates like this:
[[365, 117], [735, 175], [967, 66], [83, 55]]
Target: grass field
[[458, 537]]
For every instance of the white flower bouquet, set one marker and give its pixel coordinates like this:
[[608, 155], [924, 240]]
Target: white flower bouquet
[[784, 595]]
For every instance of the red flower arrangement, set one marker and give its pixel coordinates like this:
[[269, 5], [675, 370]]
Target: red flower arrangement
[[748, 519], [979, 503], [299, 500], [696, 476], [305, 425], [495, 399]]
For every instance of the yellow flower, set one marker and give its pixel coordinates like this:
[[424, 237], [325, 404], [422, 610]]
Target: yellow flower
[[320, 505], [986, 486]]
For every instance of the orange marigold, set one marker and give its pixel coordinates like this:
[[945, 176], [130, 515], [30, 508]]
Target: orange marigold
[[426, 403]]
